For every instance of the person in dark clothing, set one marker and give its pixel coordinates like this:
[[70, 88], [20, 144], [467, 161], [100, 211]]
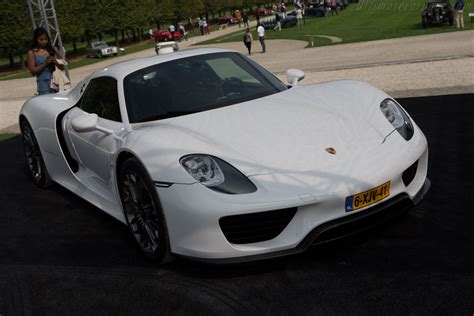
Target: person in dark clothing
[[248, 40], [459, 13], [245, 18], [278, 22]]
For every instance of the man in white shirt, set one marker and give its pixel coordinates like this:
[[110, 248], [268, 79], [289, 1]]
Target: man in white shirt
[[261, 36]]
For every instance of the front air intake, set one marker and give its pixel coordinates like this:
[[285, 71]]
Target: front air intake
[[409, 174], [256, 227]]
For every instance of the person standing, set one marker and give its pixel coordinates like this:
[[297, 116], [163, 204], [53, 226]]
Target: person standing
[[278, 22], [334, 7], [150, 32], [182, 31], [41, 59], [299, 16], [238, 17], [245, 18], [201, 25], [190, 24], [261, 37], [206, 27], [248, 40], [459, 7], [283, 10]]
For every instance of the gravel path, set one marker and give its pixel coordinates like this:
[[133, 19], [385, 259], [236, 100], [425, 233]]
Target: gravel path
[[410, 66]]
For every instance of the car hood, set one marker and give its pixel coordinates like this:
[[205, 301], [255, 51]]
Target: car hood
[[291, 131]]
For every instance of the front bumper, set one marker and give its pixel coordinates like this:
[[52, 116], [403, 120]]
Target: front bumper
[[338, 228], [193, 212]]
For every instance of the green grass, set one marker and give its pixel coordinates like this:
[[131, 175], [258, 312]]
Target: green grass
[[364, 21], [6, 136]]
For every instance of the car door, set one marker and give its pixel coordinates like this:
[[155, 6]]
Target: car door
[[94, 150]]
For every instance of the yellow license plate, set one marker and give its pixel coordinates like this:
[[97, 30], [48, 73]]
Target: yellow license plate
[[368, 197]]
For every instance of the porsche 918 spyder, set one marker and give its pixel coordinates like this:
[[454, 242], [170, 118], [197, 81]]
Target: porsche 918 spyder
[[205, 154]]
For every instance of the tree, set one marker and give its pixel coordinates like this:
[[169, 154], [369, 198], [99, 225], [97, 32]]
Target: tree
[[188, 9], [15, 30], [71, 20]]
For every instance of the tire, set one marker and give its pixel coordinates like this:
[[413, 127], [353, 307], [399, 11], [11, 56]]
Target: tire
[[33, 156], [99, 55], [143, 212]]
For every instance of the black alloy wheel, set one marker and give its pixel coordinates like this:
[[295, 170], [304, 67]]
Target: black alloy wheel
[[34, 159], [143, 213]]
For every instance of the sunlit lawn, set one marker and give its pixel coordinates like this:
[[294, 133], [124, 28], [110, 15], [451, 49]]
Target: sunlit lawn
[[364, 21]]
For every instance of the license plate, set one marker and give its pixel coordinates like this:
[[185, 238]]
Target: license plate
[[368, 197]]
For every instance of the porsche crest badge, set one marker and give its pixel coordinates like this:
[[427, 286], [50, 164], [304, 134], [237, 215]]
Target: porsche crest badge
[[330, 150]]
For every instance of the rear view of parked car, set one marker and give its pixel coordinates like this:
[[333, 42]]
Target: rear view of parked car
[[437, 12], [100, 49]]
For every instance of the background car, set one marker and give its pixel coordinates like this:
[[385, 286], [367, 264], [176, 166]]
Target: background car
[[165, 36], [437, 12], [315, 11], [204, 154], [101, 49], [263, 11], [289, 21], [227, 20]]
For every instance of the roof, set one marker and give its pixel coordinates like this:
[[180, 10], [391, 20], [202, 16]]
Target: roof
[[122, 69]]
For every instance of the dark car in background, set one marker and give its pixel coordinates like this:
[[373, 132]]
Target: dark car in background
[[437, 12], [314, 11], [289, 21]]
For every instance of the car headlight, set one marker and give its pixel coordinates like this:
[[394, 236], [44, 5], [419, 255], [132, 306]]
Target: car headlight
[[216, 174], [397, 117]]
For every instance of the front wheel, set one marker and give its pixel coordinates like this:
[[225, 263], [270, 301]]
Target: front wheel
[[33, 156], [143, 213]]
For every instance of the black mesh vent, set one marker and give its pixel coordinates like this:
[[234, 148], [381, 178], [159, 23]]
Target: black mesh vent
[[256, 227], [409, 174]]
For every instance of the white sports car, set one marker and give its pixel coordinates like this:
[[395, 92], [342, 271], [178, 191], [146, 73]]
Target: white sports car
[[205, 154]]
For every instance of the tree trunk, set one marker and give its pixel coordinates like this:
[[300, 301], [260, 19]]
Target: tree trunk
[[22, 61], [12, 62], [140, 35], [123, 35], [116, 37], [134, 34], [74, 45]]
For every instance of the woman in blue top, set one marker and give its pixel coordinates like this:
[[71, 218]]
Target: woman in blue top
[[41, 60]]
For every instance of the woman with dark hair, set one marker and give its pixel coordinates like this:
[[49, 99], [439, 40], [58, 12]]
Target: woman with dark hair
[[41, 60]]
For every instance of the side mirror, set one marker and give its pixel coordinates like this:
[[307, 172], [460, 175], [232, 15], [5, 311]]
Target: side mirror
[[294, 75], [85, 123]]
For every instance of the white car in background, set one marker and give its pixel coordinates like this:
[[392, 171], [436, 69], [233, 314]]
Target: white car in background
[[205, 154], [101, 49]]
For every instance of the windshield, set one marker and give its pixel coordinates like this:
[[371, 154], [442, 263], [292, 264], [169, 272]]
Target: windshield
[[99, 44], [195, 84]]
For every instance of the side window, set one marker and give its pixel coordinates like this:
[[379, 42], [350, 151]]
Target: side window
[[101, 98]]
